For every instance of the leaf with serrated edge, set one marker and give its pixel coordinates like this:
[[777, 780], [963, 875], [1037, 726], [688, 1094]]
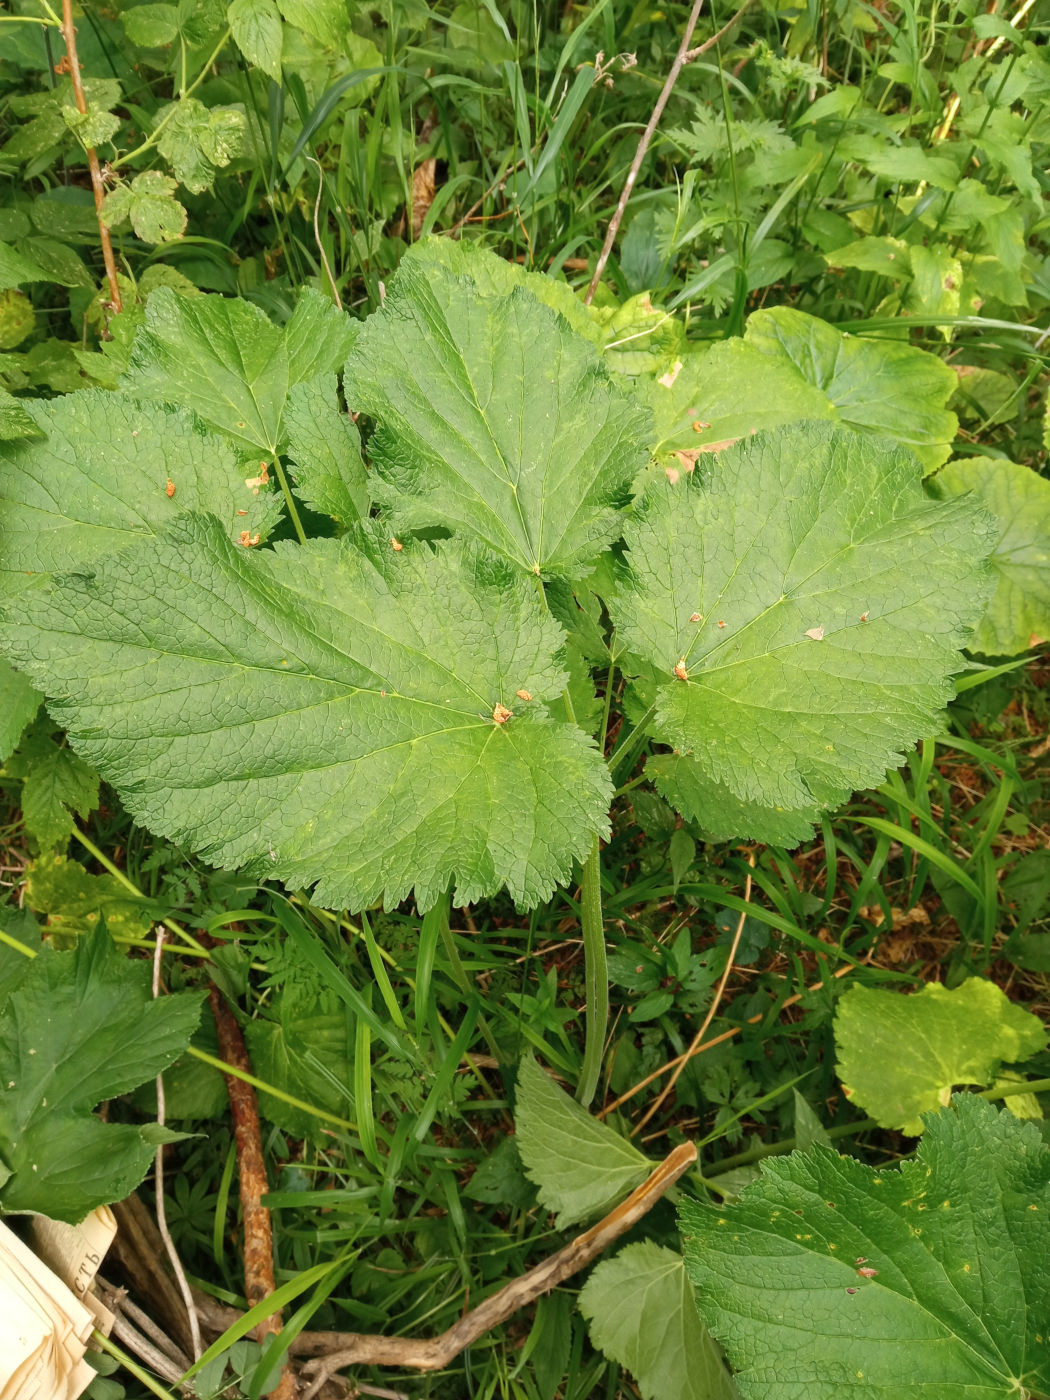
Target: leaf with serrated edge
[[494, 419], [581, 1166], [792, 532], [224, 359], [325, 449], [790, 367], [101, 476], [256, 26], [82, 1027], [324, 713], [19, 702], [901, 1055], [56, 783], [957, 1241], [641, 1312], [1018, 616]]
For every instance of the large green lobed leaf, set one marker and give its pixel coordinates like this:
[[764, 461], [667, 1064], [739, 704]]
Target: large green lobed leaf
[[802, 605], [494, 419], [954, 1295], [326, 713]]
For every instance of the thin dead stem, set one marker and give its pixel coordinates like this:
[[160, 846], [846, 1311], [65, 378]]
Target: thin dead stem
[[69, 33], [162, 1223], [684, 55], [712, 1010]]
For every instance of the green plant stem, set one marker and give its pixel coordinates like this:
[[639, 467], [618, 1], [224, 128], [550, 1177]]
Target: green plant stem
[[119, 875], [289, 499], [596, 965], [623, 756], [130, 1365], [151, 139], [459, 972]]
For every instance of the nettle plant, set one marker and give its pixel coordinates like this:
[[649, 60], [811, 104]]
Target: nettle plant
[[401, 700]]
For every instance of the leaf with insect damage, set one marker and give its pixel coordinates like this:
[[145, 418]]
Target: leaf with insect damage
[[336, 713], [803, 603], [924, 1283], [494, 419]]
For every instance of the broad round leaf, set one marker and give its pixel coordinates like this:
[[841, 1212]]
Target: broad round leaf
[[328, 714], [804, 604], [1018, 616], [923, 1283]]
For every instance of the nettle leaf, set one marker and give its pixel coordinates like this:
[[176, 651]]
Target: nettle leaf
[[149, 204], [256, 26], [641, 1312], [15, 269], [494, 419], [802, 604], [198, 141], [101, 476], [581, 1166], [15, 422], [790, 367], [954, 1294], [325, 448], [56, 782], [151, 26], [1018, 616], [19, 702], [325, 20], [901, 1055], [81, 1027], [224, 359], [332, 713]]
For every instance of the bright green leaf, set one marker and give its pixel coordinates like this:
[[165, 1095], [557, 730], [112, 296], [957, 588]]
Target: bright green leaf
[[326, 20], [581, 1166], [1018, 616], [197, 141], [15, 422], [308, 1055], [16, 269], [889, 256], [17, 318], [325, 450], [56, 783], [256, 26], [93, 127], [149, 203], [937, 279], [814, 602], [806, 370], [74, 901], [100, 478], [901, 1055], [494, 419], [225, 360], [82, 1027], [641, 1312], [151, 26], [326, 712], [956, 1294], [19, 702]]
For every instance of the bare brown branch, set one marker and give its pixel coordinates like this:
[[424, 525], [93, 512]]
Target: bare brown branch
[[69, 34]]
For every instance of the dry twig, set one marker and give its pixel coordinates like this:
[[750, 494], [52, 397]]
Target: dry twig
[[69, 33], [684, 55]]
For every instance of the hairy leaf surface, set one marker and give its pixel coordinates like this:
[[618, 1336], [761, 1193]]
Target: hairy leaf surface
[[324, 712], [900, 1056], [81, 1027], [494, 419], [956, 1292], [101, 476], [325, 448], [581, 1166], [640, 1311], [1018, 615], [804, 603]]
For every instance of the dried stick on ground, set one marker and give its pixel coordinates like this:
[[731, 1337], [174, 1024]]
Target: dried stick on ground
[[359, 1349], [69, 33], [258, 1240], [684, 55]]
